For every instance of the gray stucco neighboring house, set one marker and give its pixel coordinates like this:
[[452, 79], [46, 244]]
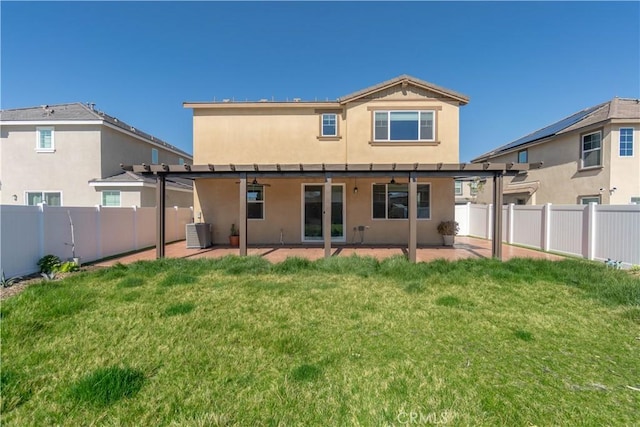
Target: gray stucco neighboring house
[[589, 156], [70, 155]]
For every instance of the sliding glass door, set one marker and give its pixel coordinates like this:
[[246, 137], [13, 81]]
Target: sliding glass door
[[312, 197]]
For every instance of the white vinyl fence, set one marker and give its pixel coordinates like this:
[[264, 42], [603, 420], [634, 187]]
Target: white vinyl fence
[[595, 232], [27, 233]]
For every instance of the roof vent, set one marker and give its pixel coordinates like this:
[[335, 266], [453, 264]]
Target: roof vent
[[296, 99], [133, 129], [226, 100], [264, 100], [115, 120]]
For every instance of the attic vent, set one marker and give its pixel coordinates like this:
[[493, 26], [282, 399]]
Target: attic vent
[[115, 120], [133, 129]]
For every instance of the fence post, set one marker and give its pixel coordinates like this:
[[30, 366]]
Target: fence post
[[468, 218], [510, 223], [489, 223], [99, 232], [135, 227], [591, 231], [546, 227], [41, 229]]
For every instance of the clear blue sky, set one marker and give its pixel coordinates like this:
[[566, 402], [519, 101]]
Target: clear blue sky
[[524, 65]]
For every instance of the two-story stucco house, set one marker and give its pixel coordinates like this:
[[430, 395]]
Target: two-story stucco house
[[401, 121], [70, 155], [590, 156]]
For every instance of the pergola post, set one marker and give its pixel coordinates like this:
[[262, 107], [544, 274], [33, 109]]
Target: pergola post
[[160, 215], [413, 216], [326, 215], [242, 220], [496, 243]]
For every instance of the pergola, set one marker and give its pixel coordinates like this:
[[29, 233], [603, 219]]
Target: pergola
[[328, 172]]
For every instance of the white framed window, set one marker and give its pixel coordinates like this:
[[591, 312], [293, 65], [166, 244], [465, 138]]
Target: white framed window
[[635, 200], [180, 161], [473, 188], [391, 201], [404, 126], [45, 141], [585, 200], [51, 198], [329, 124], [111, 198], [255, 201], [523, 156], [591, 148], [626, 142], [154, 156], [458, 186]]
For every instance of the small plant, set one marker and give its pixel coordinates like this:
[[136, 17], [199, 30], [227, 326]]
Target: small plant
[[448, 228], [48, 263], [67, 267], [234, 230], [7, 283]]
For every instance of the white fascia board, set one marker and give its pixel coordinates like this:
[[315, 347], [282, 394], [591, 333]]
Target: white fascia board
[[49, 122]]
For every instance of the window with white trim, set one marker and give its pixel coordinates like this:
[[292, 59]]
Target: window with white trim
[[585, 200], [45, 139], [626, 142], [154, 156], [458, 185], [111, 198], [180, 161], [635, 200], [404, 126], [591, 150], [391, 201], [255, 201], [329, 124], [51, 198], [523, 156]]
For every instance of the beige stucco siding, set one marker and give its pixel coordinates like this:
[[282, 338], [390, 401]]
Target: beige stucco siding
[[74, 162], [118, 147], [625, 171], [291, 134], [218, 200]]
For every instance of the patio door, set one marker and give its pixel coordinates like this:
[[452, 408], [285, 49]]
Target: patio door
[[312, 196]]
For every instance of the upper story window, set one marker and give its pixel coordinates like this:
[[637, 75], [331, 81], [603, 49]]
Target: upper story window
[[591, 150], [45, 142], [329, 124], [51, 198], [154, 155], [180, 161], [626, 142], [523, 156], [111, 199], [404, 126], [255, 201], [458, 185], [391, 201], [473, 188]]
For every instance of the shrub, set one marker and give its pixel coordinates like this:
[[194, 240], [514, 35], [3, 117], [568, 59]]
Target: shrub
[[48, 263]]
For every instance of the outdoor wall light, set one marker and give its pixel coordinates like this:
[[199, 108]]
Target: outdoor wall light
[[15, 197]]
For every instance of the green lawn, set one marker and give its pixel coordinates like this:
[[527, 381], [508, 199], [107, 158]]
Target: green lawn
[[338, 342]]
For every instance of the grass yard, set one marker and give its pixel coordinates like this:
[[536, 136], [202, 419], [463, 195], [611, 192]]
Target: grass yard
[[338, 342]]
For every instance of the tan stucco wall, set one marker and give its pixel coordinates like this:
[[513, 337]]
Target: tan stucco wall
[[625, 171], [218, 200], [118, 148], [291, 134], [561, 181], [75, 161]]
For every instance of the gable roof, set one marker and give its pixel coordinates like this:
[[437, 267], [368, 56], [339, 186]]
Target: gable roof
[[79, 112], [405, 79], [617, 108]]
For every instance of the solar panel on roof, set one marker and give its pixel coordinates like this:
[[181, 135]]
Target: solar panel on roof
[[549, 130]]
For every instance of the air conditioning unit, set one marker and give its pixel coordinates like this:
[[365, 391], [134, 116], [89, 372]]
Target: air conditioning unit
[[198, 235]]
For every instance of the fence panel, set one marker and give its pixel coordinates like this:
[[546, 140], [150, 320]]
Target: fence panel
[[116, 231], [462, 218], [20, 239], [478, 220], [618, 233], [569, 229], [146, 227], [527, 228]]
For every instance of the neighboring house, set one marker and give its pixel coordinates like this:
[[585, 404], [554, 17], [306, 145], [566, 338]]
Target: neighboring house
[[70, 155], [466, 190], [590, 156], [401, 121]]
